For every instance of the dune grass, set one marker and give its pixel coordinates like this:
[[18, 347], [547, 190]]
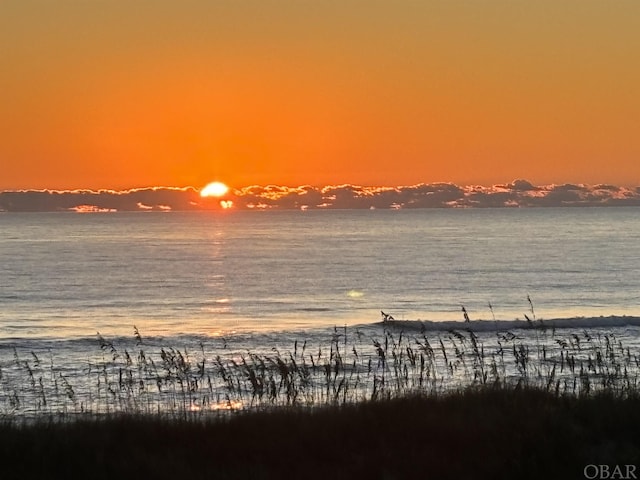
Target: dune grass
[[139, 379]]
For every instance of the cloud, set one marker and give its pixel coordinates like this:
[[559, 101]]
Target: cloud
[[156, 198], [519, 193]]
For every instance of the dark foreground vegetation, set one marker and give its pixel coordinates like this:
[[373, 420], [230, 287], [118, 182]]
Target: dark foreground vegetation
[[480, 433]]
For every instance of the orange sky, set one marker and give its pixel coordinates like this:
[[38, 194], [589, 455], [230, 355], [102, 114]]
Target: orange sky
[[120, 94]]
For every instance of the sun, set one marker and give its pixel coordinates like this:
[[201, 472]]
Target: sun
[[214, 189]]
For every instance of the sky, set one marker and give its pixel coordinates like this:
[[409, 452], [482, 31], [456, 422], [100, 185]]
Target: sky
[[115, 94]]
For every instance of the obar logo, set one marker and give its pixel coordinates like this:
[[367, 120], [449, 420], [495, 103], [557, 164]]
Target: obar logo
[[605, 472]]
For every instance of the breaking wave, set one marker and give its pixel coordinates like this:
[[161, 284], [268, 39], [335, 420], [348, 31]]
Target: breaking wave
[[502, 325]]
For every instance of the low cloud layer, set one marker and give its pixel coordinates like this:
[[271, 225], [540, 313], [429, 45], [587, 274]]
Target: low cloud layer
[[519, 193]]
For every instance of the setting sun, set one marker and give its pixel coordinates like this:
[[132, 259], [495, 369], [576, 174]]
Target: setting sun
[[214, 189]]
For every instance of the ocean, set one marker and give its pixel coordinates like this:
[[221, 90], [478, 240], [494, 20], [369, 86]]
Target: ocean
[[230, 284]]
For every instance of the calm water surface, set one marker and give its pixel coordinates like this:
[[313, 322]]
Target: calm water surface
[[68, 275]]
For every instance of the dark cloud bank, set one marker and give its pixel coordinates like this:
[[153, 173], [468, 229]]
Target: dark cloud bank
[[519, 193]]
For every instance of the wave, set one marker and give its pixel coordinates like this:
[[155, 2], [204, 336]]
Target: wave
[[502, 325]]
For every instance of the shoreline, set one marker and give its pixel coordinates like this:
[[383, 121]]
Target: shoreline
[[195, 381]]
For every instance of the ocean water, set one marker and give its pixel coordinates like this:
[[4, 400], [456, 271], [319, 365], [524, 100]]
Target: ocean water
[[260, 281]]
